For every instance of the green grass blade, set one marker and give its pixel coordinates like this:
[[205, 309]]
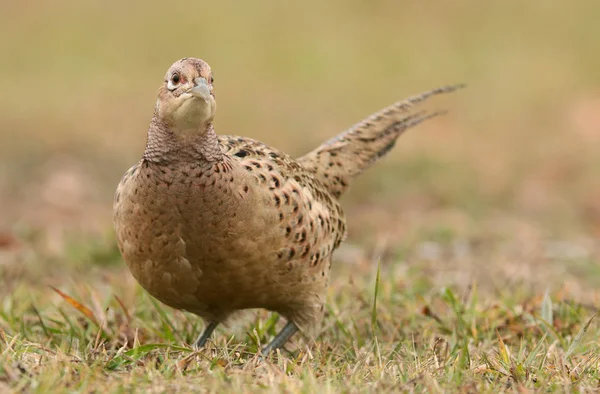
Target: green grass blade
[[376, 293], [546, 309], [577, 340]]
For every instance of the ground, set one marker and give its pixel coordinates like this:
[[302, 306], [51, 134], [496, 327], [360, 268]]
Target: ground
[[472, 262]]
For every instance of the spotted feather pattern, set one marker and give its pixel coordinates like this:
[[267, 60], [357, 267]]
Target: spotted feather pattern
[[310, 219], [214, 224]]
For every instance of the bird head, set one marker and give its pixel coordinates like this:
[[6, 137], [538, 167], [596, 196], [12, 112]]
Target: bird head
[[186, 101]]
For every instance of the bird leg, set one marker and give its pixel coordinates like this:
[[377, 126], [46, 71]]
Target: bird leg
[[280, 339], [202, 338]]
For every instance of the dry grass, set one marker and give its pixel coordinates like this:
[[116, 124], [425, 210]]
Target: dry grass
[[485, 223]]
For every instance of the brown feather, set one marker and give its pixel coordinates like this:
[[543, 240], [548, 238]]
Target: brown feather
[[214, 224]]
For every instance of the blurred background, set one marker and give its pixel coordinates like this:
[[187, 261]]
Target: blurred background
[[503, 188]]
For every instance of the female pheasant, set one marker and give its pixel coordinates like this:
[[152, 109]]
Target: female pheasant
[[212, 224]]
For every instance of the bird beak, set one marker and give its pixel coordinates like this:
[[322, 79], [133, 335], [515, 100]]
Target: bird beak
[[201, 89]]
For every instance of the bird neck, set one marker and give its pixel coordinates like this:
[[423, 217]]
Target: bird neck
[[165, 145]]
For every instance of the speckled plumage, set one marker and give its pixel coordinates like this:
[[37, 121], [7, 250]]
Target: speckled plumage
[[214, 224]]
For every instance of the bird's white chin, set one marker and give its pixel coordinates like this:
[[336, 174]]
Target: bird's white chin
[[193, 113]]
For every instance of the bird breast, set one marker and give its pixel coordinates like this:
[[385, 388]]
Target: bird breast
[[189, 235]]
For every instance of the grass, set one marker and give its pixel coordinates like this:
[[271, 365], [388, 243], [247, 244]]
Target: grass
[[472, 263], [389, 326]]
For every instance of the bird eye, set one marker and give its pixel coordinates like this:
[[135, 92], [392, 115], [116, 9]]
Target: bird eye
[[212, 79], [174, 81]]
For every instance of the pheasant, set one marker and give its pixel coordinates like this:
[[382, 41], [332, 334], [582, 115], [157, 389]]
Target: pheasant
[[213, 224]]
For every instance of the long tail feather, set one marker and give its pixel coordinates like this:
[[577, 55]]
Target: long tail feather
[[348, 154]]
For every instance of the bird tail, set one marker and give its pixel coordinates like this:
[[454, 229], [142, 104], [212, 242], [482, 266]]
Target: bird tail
[[336, 162]]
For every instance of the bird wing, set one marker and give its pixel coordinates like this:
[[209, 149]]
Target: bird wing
[[310, 217]]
